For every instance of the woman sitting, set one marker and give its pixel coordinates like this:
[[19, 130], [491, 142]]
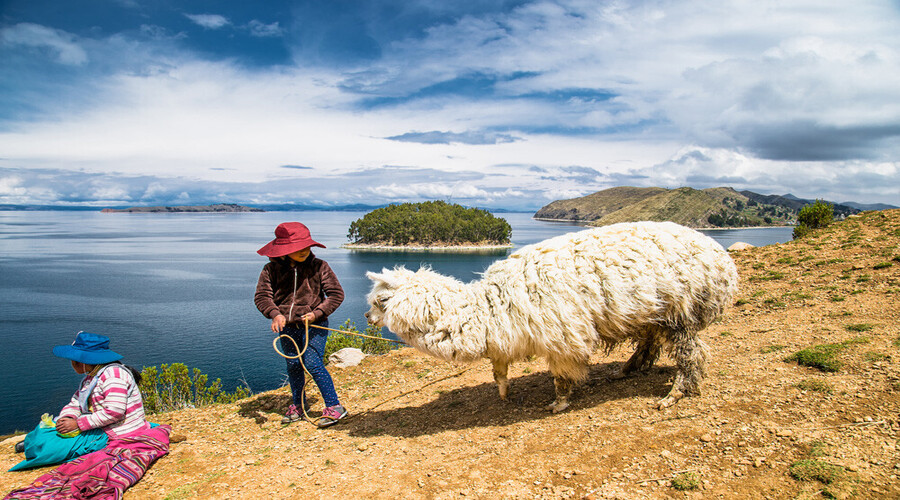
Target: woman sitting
[[107, 405]]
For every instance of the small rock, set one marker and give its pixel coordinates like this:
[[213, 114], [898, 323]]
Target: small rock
[[346, 357], [706, 438], [740, 245], [784, 433], [362, 447]]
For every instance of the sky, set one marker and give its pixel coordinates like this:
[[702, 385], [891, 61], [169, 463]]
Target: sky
[[498, 104]]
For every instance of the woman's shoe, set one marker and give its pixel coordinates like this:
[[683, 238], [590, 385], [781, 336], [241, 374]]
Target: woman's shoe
[[20, 446]]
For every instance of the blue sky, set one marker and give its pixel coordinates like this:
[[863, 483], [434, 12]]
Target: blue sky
[[496, 104]]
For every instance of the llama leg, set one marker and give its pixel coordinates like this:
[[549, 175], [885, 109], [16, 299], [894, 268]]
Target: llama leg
[[567, 372], [691, 355], [644, 356], [564, 387], [500, 369]]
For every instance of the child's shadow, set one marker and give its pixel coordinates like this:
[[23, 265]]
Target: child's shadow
[[256, 408]]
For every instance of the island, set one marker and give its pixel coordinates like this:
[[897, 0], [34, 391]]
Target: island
[[216, 208], [430, 225]]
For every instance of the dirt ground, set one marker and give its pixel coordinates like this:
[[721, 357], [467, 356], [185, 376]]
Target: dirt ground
[[763, 428]]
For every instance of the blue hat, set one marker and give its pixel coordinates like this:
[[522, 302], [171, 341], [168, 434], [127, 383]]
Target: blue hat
[[88, 348]]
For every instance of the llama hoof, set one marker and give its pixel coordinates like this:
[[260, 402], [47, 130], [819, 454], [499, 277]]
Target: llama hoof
[[668, 401], [557, 406]]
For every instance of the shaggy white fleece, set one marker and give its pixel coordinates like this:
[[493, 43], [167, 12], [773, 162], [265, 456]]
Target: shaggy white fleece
[[655, 285]]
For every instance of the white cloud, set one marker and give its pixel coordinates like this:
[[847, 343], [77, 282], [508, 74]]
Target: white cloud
[[759, 94], [209, 21], [63, 45], [263, 30]]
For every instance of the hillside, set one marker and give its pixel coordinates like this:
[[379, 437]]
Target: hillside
[[763, 428], [706, 208]]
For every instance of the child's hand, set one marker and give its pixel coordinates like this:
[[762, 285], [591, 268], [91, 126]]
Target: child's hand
[[65, 425], [278, 323]]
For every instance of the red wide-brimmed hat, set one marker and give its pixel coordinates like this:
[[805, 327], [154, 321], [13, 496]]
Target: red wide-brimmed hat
[[289, 237]]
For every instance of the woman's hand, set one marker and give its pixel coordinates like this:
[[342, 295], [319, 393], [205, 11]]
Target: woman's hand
[[308, 317], [65, 425], [278, 323]]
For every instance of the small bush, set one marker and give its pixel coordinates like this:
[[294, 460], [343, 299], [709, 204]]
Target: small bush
[[816, 470], [859, 327], [772, 348], [815, 216], [882, 265], [822, 357], [173, 387], [814, 386], [686, 481]]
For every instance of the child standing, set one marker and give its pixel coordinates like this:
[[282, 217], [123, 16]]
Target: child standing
[[296, 288]]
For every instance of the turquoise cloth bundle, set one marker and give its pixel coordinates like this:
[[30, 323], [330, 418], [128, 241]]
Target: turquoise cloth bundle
[[43, 446]]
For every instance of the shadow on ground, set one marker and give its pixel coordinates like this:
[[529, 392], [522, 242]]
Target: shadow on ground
[[480, 405]]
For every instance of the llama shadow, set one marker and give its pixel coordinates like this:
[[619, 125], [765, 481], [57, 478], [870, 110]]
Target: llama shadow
[[481, 406]]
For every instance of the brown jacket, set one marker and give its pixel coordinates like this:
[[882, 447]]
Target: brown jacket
[[296, 288]]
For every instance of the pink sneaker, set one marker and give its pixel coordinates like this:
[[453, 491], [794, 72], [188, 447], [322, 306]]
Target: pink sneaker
[[331, 415]]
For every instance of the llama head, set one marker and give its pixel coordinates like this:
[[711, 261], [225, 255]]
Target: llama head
[[384, 285], [423, 308]]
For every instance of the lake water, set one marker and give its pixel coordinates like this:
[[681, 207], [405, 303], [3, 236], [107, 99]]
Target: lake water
[[171, 288]]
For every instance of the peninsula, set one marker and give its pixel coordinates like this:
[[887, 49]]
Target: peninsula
[[720, 207], [218, 207]]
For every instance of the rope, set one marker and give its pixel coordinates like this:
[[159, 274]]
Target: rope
[[299, 357]]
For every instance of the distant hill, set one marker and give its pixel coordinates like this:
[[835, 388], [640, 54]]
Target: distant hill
[[699, 208], [795, 204], [869, 206], [219, 207]]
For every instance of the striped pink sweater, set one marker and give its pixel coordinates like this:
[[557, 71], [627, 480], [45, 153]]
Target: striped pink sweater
[[111, 408]]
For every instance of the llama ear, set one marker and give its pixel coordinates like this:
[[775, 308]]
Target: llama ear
[[386, 277]]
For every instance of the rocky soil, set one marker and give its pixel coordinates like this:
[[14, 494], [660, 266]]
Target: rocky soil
[[763, 428]]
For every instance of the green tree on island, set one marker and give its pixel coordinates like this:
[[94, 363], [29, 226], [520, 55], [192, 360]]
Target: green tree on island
[[429, 223]]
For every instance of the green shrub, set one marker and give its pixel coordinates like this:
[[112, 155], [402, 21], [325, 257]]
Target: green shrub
[[882, 265], [859, 327], [772, 348], [815, 216], [814, 386], [173, 387], [822, 357], [816, 470], [686, 481]]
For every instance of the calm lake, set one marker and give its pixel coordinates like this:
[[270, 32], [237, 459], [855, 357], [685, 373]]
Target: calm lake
[[170, 288]]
